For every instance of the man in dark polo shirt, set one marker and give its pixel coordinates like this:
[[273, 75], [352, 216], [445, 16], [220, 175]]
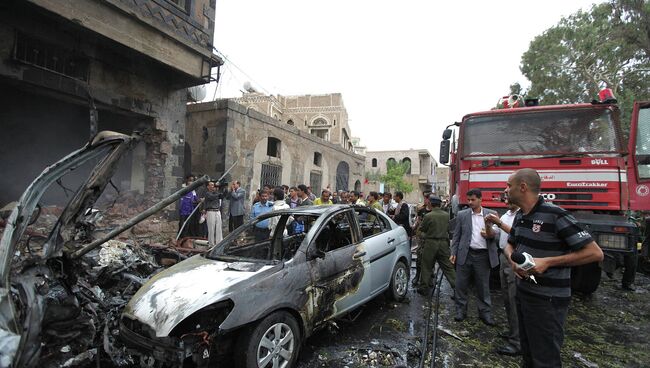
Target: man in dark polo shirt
[[556, 242]]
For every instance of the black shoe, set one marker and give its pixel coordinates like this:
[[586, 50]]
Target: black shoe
[[424, 291], [460, 317], [487, 320], [627, 287], [508, 350]]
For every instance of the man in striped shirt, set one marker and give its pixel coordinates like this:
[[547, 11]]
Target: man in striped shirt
[[552, 236]]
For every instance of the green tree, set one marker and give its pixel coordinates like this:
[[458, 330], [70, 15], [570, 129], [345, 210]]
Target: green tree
[[606, 46], [395, 174], [515, 89]]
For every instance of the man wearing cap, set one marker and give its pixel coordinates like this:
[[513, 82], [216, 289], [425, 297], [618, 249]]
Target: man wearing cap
[[434, 234]]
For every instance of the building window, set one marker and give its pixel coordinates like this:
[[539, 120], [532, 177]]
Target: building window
[[182, 4], [390, 162], [320, 133], [374, 162], [407, 160], [273, 147], [33, 51], [290, 122], [318, 159], [315, 178], [271, 175], [357, 186], [342, 176]]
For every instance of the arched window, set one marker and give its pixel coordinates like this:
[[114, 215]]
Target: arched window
[[390, 162], [273, 147], [318, 158], [374, 162], [407, 160], [357, 186], [342, 176]]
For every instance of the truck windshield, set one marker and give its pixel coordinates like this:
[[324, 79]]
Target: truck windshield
[[540, 132]]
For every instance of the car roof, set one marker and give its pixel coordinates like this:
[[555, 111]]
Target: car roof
[[314, 210]]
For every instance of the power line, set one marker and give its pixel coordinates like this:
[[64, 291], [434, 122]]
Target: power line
[[241, 70]]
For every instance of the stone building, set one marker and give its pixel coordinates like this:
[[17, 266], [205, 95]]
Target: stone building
[[421, 173], [129, 62], [324, 116], [358, 147], [266, 150], [442, 181]]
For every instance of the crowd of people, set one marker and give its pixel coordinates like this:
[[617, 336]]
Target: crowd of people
[[201, 210], [534, 244], [536, 298]]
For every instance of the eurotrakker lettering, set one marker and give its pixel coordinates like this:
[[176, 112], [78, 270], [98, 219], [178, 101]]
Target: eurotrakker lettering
[[587, 184]]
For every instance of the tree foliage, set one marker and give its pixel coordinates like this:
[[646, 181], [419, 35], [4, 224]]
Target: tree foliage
[[605, 46], [395, 175]]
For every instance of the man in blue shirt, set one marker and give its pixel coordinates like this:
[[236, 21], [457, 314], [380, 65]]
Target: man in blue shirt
[[187, 204], [263, 206]]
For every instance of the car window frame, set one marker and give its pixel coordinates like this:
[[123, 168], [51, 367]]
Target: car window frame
[[378, 216], [354, 229], [212, 252]]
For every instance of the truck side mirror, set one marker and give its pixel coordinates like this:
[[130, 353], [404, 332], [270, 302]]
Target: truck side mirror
[[446, 134], [444, 151]]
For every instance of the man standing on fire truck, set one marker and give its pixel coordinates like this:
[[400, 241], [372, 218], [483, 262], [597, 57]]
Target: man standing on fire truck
[[552, 236]]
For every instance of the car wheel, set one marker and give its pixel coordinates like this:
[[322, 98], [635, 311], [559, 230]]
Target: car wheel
[[399, 282], [273, 342]]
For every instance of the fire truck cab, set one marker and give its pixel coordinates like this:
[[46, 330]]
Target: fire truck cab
[[580, 152]]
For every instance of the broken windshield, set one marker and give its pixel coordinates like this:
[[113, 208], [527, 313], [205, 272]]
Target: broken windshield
[[541, 132], [257, 242]]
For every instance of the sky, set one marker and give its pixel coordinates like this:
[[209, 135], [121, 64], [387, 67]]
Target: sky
[[406, 69]]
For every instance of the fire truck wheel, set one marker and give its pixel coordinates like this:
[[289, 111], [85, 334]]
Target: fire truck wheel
[[585, 278]]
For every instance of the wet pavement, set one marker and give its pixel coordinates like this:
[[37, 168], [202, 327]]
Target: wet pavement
[[609, 329]]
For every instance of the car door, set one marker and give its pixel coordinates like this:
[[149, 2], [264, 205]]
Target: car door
[[638, 171], [338, 268], [380, 247]]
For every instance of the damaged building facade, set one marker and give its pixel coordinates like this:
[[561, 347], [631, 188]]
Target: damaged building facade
[[312, 148], [131, 60]]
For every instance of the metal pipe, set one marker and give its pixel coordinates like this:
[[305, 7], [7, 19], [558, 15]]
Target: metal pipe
[[137, 219]]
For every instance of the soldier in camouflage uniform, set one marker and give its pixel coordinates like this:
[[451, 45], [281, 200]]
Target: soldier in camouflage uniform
[[434, 234]]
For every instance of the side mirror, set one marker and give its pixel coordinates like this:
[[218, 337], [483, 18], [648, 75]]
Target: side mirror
[[446, 134], [444, 151], [315, 253]]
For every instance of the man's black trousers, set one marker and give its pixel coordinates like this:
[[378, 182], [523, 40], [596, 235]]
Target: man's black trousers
[[541, 329]]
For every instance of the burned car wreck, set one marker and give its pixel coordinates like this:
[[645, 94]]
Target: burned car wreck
[[259, 293], [60, 294], [71, 295]]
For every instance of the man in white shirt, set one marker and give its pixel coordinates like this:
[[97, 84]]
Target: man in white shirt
[[508, 286], [474, 253]]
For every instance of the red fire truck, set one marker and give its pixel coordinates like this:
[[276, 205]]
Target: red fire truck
[[580, 153]]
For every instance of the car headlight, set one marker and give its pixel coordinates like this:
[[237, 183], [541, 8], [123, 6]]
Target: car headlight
[[613, 241], [205, 319]]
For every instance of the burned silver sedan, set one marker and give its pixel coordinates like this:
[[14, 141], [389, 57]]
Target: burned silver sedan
[[260, 293]]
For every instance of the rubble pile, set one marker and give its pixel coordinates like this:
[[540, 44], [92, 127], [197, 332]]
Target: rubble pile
[[83, 307]]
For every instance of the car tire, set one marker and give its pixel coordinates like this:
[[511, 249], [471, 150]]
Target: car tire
[[399, 281], [276, 337]]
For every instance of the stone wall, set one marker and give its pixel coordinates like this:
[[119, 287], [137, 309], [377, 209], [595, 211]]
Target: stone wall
[[306, 112], [224, 132], [130, 90]]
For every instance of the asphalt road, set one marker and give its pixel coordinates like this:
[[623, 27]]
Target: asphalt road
[[609, 329]]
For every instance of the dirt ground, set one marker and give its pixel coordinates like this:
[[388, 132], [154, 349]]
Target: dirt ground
[[611, 328]]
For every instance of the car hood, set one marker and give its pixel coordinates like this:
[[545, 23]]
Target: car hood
[[174, 294]]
